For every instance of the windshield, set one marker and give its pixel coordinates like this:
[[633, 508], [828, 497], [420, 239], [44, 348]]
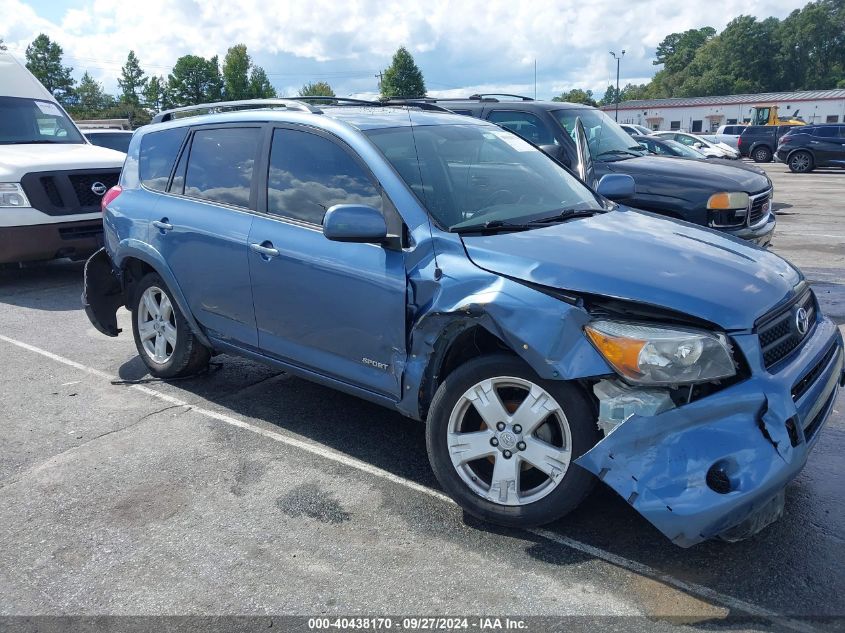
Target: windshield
[[470, 175], [683, 150], [34, 121], [607, 141], [113, 140]]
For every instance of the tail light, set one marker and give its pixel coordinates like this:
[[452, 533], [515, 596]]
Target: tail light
[[739, 142], [110, 196]]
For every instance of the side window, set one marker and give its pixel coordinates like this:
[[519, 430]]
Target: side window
[[527, 125], [157, 155], [220, 165], [309, 174], [686, 140], [827, 132]]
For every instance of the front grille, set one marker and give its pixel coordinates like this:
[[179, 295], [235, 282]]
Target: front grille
[[800, 387], [67, 192], [82, 187], [759, 207], [778, 332], [815, 423]]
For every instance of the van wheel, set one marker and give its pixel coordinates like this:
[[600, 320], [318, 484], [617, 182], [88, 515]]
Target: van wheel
[[762, 155], [801, 162], [502, 442], [162, 335]]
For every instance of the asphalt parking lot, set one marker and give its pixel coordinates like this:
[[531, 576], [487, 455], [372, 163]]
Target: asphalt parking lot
[[245, 491]]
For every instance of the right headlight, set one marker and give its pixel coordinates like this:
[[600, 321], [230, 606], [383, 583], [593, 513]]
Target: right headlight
[[654, 355], [12, 195]]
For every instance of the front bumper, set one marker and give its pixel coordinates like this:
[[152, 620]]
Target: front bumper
[[50, 241], [760, 234], [754, 431]]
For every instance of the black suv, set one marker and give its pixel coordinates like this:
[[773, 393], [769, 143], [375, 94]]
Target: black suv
[[805, 148], [759, 142], [695, 191]]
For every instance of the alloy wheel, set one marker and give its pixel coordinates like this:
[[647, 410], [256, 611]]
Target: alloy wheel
[[509, 441], [157, 325]]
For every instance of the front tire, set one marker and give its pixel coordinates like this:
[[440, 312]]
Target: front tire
[[801, 162], [163, 337], [762, 155], [502, 442]]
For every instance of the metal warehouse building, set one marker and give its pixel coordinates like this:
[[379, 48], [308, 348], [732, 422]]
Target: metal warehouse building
[[703, 114]]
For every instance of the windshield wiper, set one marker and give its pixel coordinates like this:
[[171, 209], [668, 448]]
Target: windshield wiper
[[617, 152], [492, 225], [566, 214]]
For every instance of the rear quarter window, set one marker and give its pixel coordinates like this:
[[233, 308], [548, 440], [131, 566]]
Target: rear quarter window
[[157, 155]]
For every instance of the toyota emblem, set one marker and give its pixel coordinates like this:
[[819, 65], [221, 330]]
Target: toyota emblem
[[802, 321], [98, 188]]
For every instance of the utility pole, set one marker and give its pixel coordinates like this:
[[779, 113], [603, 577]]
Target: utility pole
[[618, 59], [535, 80], [380, 76]]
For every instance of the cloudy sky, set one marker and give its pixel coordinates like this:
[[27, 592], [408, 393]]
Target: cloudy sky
[[461, 45]]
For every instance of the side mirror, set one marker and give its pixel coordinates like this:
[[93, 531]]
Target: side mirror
[[354, 223], [616, 187], [555, 151], [697, 145]]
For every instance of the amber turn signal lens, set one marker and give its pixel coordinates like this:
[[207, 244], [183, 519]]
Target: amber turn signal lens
[[622, 353], [725, 201]]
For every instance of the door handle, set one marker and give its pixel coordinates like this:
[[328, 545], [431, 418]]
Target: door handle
[[265, 249], [163, 225]]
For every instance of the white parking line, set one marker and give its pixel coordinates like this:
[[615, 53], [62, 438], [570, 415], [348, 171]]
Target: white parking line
[[694, 589]]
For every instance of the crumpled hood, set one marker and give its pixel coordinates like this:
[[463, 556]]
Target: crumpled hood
[[688, 179], [644, 258], [17, 160]]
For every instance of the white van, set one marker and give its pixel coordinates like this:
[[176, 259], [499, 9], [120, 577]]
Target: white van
[[51, 178]]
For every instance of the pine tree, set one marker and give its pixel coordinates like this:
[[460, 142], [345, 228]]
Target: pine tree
[[155, 94], [194, 80], [44, 60], [91, 99], [402, 78], [132, 80], [259, 86]]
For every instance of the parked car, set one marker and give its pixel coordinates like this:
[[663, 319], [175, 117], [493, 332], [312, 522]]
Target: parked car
[[759, 142], [668, 147], [728, 134], [688, 190], [634, 129], [708, 148], [807, 147], [117, 140], [51, 179], [449, 270]]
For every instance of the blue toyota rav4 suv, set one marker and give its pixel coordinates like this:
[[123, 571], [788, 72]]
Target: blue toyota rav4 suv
[[448, 269]]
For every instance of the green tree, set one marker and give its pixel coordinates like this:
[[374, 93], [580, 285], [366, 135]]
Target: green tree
[[609, 96], [195, 80], [316, 89], [259, 86], [402, 78], [44, 60], [576, 95], [90, 99], [236, 66], [155, 94], [2, 45], [678, 49], [132, 80]]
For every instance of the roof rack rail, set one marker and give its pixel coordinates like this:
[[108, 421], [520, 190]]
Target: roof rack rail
[[337, 100], [224, 106], [423, 103], [484, 96]]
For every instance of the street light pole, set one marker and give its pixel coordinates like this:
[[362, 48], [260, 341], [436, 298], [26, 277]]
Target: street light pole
[[618, 59]]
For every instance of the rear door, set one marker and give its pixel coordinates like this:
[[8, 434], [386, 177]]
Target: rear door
[[826, 145], [334, 308], [201, 228]]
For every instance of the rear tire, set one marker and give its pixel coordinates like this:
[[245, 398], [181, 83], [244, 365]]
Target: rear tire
[[762, 154], [502, 442], [801, 162], [163, 337]]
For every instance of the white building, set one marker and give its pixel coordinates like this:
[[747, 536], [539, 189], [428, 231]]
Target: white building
[[703, 114]]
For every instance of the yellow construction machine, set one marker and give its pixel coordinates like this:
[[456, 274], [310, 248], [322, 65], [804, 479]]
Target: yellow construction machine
[[768, 115]]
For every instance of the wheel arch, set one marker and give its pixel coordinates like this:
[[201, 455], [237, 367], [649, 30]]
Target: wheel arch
[[135, 260]]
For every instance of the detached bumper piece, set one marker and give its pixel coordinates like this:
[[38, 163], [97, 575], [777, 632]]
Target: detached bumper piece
[[717, 468], [102, 293]]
